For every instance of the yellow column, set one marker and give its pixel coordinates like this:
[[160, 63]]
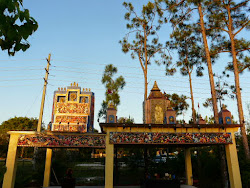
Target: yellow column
[[188, 166], [11, 163], [233, 164], [47, 168], [109, 163]]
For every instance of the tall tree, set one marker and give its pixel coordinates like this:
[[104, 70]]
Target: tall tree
[[16, 123], [180, 12], [16, 25], [231, 17], [144, 45], [112, 89], [203, 30], [189, 51]]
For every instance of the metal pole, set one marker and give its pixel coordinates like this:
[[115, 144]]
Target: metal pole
[[39, 125]]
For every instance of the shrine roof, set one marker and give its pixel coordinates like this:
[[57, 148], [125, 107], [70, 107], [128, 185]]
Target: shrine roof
[[224, 110], [156, 93]]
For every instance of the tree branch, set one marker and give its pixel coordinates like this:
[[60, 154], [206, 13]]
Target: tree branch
[[217, 28], [139, 56], [242, 28], [239, 5], [242, 50]]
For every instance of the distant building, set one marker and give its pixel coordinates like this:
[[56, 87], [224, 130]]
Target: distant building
[[73, 109], [158, 109]]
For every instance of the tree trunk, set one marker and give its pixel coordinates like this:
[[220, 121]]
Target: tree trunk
[[145, 71], [145, 96], [237, 86], [213, 92], [209, 65], [192, 97], [146, 87]]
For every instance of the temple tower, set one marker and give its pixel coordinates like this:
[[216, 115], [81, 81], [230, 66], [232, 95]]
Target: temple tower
[[111, 114], [73, 109], [225, 116], [158, 107]]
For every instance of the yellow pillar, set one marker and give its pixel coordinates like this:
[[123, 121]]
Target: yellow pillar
[[188, 167], [47, 170], [11, 163], [233, 164], [109, 163]]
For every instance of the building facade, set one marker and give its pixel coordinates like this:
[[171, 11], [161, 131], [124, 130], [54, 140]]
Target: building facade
[[73, 109]]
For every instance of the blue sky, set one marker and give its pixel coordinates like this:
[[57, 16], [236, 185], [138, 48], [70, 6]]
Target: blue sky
[[82, 37]]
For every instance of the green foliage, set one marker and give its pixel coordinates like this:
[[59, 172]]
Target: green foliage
[[143, 27], [209, 120], [187, 44], [209, 170], [16, 25], [113, 86], [19, 123], [16, 123], [2, 172], [231, 17], [103, 111], [178, 102], [223, 89], [242, 47], [126, 120]]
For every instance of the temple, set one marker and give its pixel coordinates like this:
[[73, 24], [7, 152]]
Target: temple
[[72, 126], [73, 109], [158, 109]]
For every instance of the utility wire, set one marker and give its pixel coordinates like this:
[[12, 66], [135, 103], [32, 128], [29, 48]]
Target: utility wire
[[20, 60], [18, 85], [186, 87], [168, 90], [20, 69], [91, 71], [134, 67], [32, 104], [20, 80]]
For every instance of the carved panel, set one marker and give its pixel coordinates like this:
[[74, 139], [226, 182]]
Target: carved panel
[[158, 108], [159, 114], [169, 138], [78, 108], [71, 119], [70, 128], [62, 141]]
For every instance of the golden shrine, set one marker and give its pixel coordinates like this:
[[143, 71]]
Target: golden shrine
[[158, 108], [73, 109]]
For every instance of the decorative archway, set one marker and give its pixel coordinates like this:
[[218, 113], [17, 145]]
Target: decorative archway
[[115, 133], [192, 135], [47, 140]]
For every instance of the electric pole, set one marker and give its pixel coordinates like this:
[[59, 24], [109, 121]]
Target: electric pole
[[39, 125]]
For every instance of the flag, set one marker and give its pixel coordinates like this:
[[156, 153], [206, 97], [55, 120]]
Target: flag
[[109, 91]]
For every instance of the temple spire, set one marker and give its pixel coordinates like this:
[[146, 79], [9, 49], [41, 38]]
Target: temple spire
[[155, 87]]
